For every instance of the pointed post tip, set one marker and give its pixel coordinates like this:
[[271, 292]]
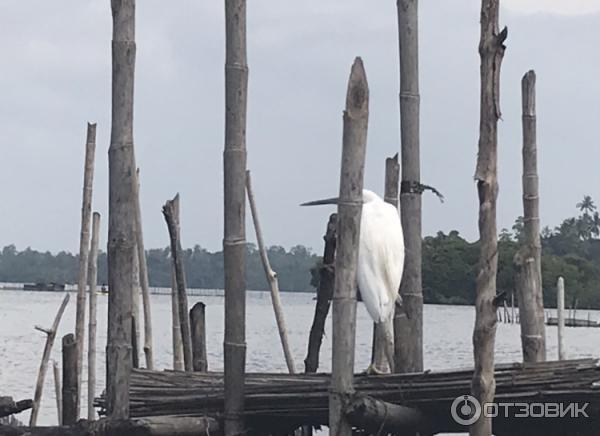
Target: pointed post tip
[[357, 98]]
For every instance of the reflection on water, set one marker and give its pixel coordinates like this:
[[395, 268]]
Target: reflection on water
[[447, 340]]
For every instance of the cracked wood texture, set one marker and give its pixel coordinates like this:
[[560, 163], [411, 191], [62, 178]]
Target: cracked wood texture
[[491, 51]]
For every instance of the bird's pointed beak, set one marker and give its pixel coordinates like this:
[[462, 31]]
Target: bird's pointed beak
[[333, 200]]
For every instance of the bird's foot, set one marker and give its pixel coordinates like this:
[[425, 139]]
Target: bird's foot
[[373, 370]]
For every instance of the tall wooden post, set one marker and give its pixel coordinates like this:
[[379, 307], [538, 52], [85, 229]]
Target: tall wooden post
[[491, 50], [356, 118], [92, 282], [408, 327], [69, 387], [84, 247], [528, 260], [560, 314], [198, 328], [57, 390], [234, 241], [175, 323], [135, 310], [121, 218], [143, 277]]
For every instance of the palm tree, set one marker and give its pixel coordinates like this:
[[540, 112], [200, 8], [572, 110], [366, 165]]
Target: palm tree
[[587, 206]]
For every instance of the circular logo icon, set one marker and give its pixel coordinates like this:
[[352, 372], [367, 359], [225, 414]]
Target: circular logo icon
[[465, 410]]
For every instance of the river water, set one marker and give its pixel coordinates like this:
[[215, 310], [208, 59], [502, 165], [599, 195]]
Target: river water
[[447, 338]]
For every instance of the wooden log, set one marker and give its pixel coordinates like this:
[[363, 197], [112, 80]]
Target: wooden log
[[234, 200], [408, 331], [528, 260], [175, 322], [39, 385], [121, 222], [177, 257], [378, 416], [92, 284], [198, 327], [135, 353], [84, 247], [143, 277], [58, 391], [560, 314], [8, 406], [324, 296], [271, 279], [378, 357], [491, 51], [69, 387], [356, 117]]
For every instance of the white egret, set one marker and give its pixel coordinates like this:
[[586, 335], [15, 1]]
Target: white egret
[[380, 262]]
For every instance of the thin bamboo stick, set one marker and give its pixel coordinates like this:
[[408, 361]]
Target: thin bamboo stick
[[175, 323], [271, 278], [121, 222], [39, 385], [57, 390], [135, 310], [356, 118], [92, 283], [560, 314], [84, 247], [234, 201]]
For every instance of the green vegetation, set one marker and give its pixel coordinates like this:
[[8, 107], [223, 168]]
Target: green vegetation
[[572, 250]]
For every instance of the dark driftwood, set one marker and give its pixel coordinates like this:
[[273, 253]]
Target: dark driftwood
[[324, 296], [182, 304], [376, 416], [356, 118], [84, 247], [491, 50], [8, 406], [408, 330], [528, 263], [92, 282], [50, 336], [121, 219], [234, 198], [69, 386], [198, 327]]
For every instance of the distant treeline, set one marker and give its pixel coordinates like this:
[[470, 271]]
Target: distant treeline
[[571, 250]]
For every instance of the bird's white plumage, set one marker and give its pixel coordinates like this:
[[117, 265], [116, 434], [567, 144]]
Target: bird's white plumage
[[380, 256]]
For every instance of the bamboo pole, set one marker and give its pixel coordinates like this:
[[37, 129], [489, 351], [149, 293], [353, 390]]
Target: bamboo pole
[[57, 390], [356, 117], [135, 354], [408, 329], [198, 323], [143, 278], [271, 278], [121, 222], [560, 314], [84, 247], [135, 310], [234, 241], [324, 296], [92, 283], [378, 360], [50, 335], [69, 388], [175, 323], [491, 50], [177, 256], [528, 260]]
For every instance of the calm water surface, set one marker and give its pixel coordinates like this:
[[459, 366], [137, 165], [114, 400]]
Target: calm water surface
[[447, 338]]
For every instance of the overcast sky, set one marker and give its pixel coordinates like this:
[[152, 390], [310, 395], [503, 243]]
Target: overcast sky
[[56, 76]]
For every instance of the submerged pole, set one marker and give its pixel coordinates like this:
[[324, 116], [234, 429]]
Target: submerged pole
[[356, 118], [234, 199], [69, 387], [175, 323], [198, 327], [92, 283]]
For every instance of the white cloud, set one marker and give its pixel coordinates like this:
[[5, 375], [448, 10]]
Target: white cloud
[[559, 7]]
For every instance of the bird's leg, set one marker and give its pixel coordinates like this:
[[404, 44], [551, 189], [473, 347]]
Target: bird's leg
[[388, 328], [379, 363]]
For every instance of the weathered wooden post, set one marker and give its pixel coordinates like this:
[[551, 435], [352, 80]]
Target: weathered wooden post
[[84, 247], [528, 260], [121, 222], [198, 327], [57, 390], [408, 327], [491, 50], [324, 296], [69, 388], [92, 283], [392, 175], [143, 277], [175, 323], [234, 241], [50, 335], [356, 118], [135, 310], [560, 314], [177, 256], [135, 352], [271, 278]]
